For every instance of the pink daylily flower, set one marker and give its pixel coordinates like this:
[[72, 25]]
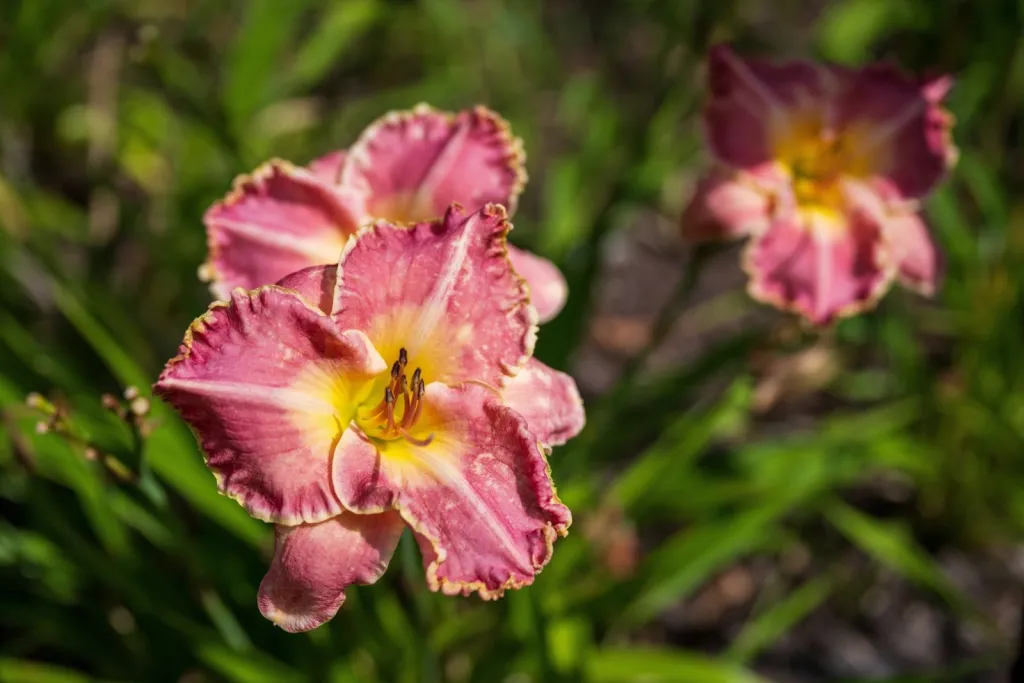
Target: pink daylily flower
[[407, 167], [394, 389], [823, 169]]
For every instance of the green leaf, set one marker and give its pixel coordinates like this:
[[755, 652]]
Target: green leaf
[[650, 665], [246, 667], [172, 452], [774, 622], [569, 642], [256, 56], [891, 544], [66, 464], [342, 25], [848, 30], [984, 185], [668, 459], [954, 232], [25, 671], [170, 449], [225, 622], [101, 341], [685, 561]]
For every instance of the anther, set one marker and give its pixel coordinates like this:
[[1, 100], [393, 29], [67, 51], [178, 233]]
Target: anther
[[389, 398], [411, 391]]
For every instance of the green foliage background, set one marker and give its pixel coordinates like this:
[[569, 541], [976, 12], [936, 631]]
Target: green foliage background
[[120, 122]]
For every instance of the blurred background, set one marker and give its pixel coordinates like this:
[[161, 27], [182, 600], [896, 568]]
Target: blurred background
[[753, 501]]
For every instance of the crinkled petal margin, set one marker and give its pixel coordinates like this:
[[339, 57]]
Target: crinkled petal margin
[[259, 380], [479, 498], [314, 284], [328, 167], [314, 564], [902, 126], [822, 272], [727, 205], [548, 400], [445, 291], [275, 221], [548, 288], [411, 165], [918, 258]]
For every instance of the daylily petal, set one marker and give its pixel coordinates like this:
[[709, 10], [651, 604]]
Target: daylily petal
[[327, 168], [549, 400], [445, 291], [819, 267], [265, 382], [548, 289], [314, 564], [726, 205], [479, 496], [275, 221], [913, 253], [750, 101], [901, 128], [411, 165], [314, 284], [916, 255]]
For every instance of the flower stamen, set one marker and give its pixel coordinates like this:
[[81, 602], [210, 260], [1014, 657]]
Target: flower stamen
[[389, 401], [397, 419], [414, 441]]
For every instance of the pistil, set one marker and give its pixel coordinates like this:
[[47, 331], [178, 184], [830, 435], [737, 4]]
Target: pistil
[[411, 393]]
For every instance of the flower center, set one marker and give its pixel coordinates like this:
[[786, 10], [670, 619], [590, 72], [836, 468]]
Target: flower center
[[407, 207], [816, 162], [818, 157], [400, 408]]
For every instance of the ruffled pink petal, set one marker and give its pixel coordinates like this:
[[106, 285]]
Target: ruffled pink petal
[[548, 289], [917, 257], [314, 284], [727, 205], [479, 497], [314, 564], [275, 221], [821, 269], [327, 168], [317, 283], [264, 381], [901, 128], [445, 291], [411, 165], [751, 101], [548, 400]]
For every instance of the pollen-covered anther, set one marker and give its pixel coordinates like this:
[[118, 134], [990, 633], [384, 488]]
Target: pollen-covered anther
[[402, 405]]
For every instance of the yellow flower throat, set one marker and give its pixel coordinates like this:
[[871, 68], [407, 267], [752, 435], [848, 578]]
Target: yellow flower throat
[[401, 407]]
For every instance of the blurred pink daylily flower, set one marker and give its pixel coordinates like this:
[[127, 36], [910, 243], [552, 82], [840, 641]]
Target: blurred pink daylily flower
[[822, 168], [394, 389], [406, 167]]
